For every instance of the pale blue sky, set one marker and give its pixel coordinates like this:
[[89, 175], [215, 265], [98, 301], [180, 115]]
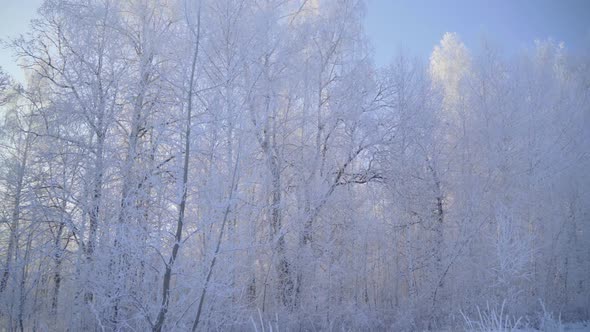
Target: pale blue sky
[[417, 25], [14, 20]]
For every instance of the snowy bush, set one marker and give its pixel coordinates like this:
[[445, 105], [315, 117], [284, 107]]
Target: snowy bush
[[492, 320]]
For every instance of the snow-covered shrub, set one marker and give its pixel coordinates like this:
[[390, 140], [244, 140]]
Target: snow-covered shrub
[[259, 324], [492, 320], [548, 322]]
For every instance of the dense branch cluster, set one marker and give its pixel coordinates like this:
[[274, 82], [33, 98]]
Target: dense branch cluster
[[226, 164]]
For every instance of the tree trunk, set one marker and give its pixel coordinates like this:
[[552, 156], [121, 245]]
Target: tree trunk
[[179, 225]]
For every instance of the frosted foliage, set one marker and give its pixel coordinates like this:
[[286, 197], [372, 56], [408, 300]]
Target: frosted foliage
[[450, 64], [222, 165]]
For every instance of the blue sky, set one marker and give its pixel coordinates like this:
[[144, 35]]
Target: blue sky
[[417, 25], [14, 19]]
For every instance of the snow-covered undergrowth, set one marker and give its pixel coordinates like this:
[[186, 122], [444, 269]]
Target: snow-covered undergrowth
[[494, 319], [491, 319], [259, 324]]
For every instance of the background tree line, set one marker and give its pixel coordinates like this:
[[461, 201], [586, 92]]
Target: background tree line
[[221, 164]]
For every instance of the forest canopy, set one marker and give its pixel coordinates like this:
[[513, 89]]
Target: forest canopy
[[175, 165]]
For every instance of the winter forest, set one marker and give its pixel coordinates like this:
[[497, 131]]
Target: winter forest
[[243, 165]]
